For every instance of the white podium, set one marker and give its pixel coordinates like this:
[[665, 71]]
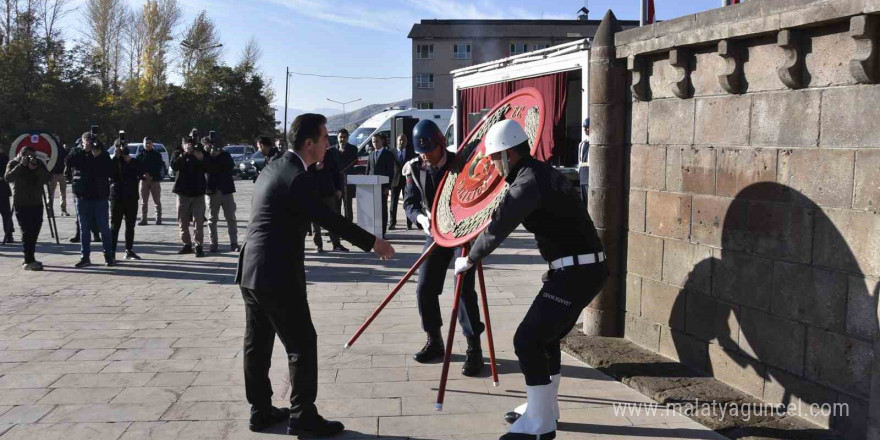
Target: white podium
[[369, 202]]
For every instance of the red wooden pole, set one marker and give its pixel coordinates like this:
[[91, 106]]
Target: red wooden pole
[[445, 373], [390, 296], [488, 324]]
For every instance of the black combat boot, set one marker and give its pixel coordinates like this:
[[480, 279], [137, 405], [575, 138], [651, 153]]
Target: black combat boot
[[473, 364], [433, 349]]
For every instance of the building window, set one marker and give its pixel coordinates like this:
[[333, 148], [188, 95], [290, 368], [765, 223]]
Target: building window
[[461, 51], [538, 47], [518, 48], [426, 105], [425, 51], [425, 81]]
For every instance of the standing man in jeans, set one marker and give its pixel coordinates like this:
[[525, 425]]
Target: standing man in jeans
[[59, 180], [5, 193], [221, 194], [28, 174], [151, 165], [92, 168], [189, 164]]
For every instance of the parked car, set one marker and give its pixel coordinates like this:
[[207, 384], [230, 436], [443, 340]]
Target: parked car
[[239, 153], [136, 148], [250, 169]]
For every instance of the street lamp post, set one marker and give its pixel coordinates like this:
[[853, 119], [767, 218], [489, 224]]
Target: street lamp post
[[344, 121], [286, 86]]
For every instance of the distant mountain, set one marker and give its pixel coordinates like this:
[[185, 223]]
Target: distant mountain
[[292, 113], [355, 118]]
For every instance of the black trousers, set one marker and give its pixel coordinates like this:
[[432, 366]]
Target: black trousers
[[564, 295], [6, 213], [350, 193], [333, 203], [385, 192], [432, 274], [585, 192], [119, 210], [395, 197], [30, 220], [286, 314]]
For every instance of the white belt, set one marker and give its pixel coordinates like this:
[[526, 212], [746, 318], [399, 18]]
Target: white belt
[[577, 260], [583, 164]]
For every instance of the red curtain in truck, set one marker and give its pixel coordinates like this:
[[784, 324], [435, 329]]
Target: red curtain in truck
[[554, 87]]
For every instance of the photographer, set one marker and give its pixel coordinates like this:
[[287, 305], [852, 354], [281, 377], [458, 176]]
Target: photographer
[[189, 185], [92, 168], [28, 174], [68, 175], [221, 193], [151, 165], [5, 193], [59, 180], [124, 198]]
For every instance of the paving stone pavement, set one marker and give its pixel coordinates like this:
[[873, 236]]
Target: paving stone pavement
[[152, 349]]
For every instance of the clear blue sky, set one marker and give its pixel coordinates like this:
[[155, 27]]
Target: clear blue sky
[[368, 37]]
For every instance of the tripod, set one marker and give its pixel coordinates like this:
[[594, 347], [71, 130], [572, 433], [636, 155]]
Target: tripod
[[50, 214]]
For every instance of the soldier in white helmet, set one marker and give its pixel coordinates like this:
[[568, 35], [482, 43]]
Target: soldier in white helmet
[[549, 206]]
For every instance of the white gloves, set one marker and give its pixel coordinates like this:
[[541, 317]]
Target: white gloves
[[462, 264], [425, 223]]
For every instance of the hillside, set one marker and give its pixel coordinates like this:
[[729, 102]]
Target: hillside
[[355, 118]]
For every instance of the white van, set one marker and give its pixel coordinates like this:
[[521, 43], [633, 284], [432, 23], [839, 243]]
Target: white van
[[381, 123]]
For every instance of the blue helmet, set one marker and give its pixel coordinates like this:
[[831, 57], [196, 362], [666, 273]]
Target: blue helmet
[[587, 123], [427, 136]]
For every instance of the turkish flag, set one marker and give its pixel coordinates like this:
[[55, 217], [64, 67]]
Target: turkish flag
[[651, 17]]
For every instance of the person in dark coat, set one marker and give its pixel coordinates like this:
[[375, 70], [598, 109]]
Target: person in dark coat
[[329, 182], [152, 165], [221, 194], [347, 157], [68, 174], [382, 163], [5, 193], [29, 176], [190, 186], [124, 198], [92, 168], [59, 180], [271, 273], [403, 154]]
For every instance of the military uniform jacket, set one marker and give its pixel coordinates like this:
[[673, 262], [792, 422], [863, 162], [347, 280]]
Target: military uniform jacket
[[547, 205], [421, 186], [584, 162]]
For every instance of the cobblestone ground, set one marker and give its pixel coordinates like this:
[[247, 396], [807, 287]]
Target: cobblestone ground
[[152, 349]]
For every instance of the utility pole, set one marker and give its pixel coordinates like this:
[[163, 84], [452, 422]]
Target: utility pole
[[344, 120], [286, 86]]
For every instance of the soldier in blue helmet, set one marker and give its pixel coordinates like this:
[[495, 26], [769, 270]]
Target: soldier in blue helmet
[[423, 175]]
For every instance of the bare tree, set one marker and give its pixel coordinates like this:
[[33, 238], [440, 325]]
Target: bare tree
[[250, 56], [104, 21], [160, 19], [135, 42], [51, 13], [200, 49]]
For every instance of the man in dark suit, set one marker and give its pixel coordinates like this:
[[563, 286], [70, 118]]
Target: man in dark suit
[[382, 163], [347, 157], [329, 181], [271, 273]]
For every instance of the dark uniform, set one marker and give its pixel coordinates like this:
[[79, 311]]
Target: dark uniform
[[124, 199], [547, 205], [584, 168], [5, 207], [421, 188]]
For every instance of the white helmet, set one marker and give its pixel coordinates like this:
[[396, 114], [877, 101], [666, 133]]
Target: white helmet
[[505, 135]]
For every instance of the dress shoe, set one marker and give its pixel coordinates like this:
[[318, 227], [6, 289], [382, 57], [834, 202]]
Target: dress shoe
[[340, 248], [264, 418], [97, 238], [320, 250], [158, 222], [142, 222], [34, 266], [199, 252], [109, 261], [130, 255], [473, 363], [392, 227], [9, 239], [213, 248], [74, 239], [433, 349], [234, 248], [83, 262], [315, 426], [186, 249]]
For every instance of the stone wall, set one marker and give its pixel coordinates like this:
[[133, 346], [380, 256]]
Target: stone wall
[[753, 243]]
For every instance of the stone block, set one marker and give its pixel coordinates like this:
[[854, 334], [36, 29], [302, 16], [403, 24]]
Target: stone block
[[861, 306], [711, 320], [709, 216], [687, 265], [633, 294], [637, 200], [738, 168], [849, 117], [778, 230], [722, 120], [848, 240], [640, 113], [772, 340], [690, 169], [674, 26], [704, 77], [661, 74], [663, 304], [818, 12], [838, 361], [867, 181], [642, 332], [742, 279], [604, 207], [737, 370], [645, 255], [740, 12], [607, 124], [668, 215], [811, 295], [671, 121], [823, 177], [684, 348], [759, 68], [828, 59], [648, 167], [782, 388], [786, 118]]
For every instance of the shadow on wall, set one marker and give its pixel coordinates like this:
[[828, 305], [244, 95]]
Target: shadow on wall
[[783, 311]]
